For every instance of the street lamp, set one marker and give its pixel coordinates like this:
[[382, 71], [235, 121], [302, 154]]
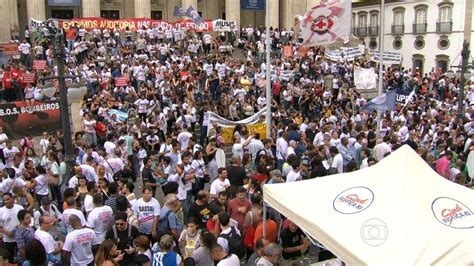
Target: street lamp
[[463, 74]]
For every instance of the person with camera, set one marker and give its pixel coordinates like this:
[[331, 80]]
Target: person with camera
[[123, 234]]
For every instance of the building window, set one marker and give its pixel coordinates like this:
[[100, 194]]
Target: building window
[[374, 24], [397, 43], [362, 24], [418, 61], [157, 15], [420, 25], [445, 19], [419, 43], [443, 43], [398, 26], [442, 62], [62, 14], [110, 14]]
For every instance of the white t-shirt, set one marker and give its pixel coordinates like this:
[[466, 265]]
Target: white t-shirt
[[338, 163], [293, 176], [100, 219], [46, 239], [88, 203], [3, 137], [109, 147], [10, 154], [232, 260], [146, 212], [41, 187], [79, 243], [65, 218], [142, 105], [9, 220], [218, 186], [183, 139]]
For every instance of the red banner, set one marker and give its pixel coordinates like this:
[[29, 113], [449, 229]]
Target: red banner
[[10, 49], [39, 64], [29, 78], [121, 82], [134, 23], [287, 51]]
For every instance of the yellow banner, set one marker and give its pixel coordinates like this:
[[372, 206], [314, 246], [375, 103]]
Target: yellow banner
[[227, 132]]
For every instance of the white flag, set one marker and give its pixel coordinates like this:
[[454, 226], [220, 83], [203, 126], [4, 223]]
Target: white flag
[[326, 22]]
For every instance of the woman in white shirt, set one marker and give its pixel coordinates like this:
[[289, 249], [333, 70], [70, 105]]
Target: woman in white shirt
[[239, 145], [88, 126]]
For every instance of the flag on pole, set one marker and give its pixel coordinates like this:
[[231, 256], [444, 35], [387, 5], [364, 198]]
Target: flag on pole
[[180, 12], [383, 102], [410, 97], [193, 15], [325, 23]]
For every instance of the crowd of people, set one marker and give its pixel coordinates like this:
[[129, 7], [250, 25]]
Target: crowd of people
[[212, 210]]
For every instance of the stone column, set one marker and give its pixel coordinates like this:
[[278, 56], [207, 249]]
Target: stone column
[[36, 9], [274, 13], [289, 10], [169, 9], [187, 3], [232, 11], [90, 8], [311, 3], [13, 11], [129, 9], [212, 9], [4, 22], [142, 9]]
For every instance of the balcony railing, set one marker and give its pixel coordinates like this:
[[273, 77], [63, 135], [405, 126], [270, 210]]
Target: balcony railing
[[444, 27], [398, 29], [419, 28], [361, 31], [374, 30]]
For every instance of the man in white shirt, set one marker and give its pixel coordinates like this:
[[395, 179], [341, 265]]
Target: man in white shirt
[[78, 244], [147, 209], [225, 259], [42, 234], [71, 209], [337, 160], [220, 184], [100, 219], [9, 220], [282, 149]]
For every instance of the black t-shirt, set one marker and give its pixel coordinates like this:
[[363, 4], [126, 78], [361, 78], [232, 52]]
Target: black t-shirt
[[147, 177], [291, 239], [200, 212], [124, 242], [236, 175]]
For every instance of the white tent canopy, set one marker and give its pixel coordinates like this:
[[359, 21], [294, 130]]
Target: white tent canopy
[[397, 212]]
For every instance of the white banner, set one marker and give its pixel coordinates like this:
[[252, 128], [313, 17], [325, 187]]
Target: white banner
[[343, 54], [389, 58], [34, 23], [364, 78], [224, 25], [223, 122]]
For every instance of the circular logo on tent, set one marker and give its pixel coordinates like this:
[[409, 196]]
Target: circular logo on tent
[[353, 200], [374, 232], [452, 213]]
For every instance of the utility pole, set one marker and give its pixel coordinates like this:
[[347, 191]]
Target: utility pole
[[381, 41], [268, 116], [58, 48]]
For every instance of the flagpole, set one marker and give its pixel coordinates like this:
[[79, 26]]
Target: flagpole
[[268, 115], [381, 41]]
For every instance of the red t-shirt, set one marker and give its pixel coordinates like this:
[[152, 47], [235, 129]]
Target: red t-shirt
[[276, 88], [16, 74], [7, 80], [233, 210]]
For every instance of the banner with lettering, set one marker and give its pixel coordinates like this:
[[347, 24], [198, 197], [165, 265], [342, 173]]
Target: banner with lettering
[[227, 133], [389, 58], [253, 123], [343, 53], [19, 119], [136, 23]]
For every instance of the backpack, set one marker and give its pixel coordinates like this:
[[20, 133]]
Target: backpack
[[164, 225], [129, 234], [234, 240]]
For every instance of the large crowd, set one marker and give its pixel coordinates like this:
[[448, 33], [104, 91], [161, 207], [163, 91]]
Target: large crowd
[[209, 212]]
